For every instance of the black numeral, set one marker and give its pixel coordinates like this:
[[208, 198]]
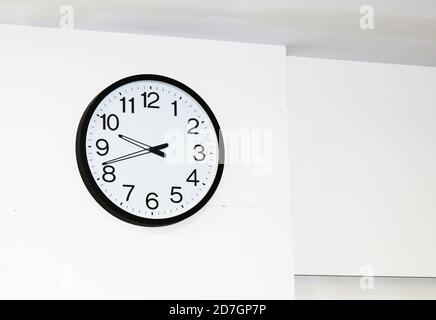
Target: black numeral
[[112, 122], [132, 104], [150, 99], [175, 193], [175, 107], [103, 146], [193, 178], [152, 203], [131, 186], [191, 130], [199, 152], [109, 174]]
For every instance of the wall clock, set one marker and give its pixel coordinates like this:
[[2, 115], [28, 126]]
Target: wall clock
[[149, 150]]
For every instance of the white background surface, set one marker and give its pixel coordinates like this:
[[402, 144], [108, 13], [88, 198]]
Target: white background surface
[[349, 288], [404, 31], [55, 241], [363, 173]]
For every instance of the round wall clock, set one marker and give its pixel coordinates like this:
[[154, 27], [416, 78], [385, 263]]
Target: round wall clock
[[149, 150]]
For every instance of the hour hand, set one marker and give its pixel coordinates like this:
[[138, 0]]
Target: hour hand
[[155, 149], [135, 142]]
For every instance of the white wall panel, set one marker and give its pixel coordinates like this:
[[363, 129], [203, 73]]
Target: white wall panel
[[363, 167], [55, 241]]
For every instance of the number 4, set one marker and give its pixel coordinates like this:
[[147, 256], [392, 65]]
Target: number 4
[[193, 178]]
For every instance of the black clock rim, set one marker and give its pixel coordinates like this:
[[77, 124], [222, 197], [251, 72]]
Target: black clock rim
[[92, 186]]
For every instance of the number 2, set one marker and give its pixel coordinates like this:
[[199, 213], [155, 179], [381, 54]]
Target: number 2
[[191, 130]]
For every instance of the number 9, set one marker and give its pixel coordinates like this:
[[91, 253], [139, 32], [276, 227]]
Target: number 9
[[104, 148]]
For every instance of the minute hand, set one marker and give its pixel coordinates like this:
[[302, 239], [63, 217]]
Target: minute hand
[[127, 156], [137, 154]]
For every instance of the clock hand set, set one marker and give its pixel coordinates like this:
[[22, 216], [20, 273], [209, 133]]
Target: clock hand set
[[155, 149], [138, 143], [145, 150]]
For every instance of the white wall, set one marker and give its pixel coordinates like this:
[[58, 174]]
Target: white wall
[[56, 242], [378, 288], [363, 167], [309, 28]]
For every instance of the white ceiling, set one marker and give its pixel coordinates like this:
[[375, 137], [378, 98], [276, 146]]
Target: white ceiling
[[404, 30]]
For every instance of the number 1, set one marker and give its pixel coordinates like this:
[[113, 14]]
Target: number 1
[[175, 107]]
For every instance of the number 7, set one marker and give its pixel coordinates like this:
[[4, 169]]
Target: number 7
[[130, 191]]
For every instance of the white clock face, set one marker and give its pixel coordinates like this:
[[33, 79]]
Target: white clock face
[[148, 149]]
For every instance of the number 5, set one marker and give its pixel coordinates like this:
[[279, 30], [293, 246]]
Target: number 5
[[173, 192]]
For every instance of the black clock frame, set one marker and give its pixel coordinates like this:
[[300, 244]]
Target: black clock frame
[[92, 186]]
